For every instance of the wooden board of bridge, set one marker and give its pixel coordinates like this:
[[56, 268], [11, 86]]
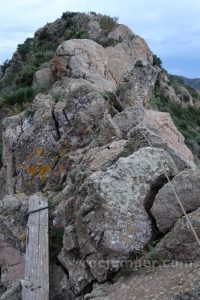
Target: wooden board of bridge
[[36, 282]]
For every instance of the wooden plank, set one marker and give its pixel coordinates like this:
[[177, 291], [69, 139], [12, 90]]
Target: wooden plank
[[35, 285]]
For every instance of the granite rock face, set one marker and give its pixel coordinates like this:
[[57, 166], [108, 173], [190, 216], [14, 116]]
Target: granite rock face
[[176, 281], [137, 85], [166, 209], [30, 144], [89, 142], [128, 49], [83, 59], [42, 80], [180, 243], [13, 220], [163, 125], [110, 216]]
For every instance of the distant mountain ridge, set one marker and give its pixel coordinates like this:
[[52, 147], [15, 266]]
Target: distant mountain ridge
[[193, 82]]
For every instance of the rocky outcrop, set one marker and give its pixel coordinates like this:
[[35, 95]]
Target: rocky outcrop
[[30, 147], [83, 59], [36, 140], [163, 125], [42, 80], [174, 281], [13, 218], [4, 112], [180, 243], [92, 146], [178, 93], [110, 212], [137, 85], [128, 49], [147, 127], [187, 186]]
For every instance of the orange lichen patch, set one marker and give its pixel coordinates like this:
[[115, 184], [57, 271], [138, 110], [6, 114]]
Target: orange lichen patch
[[44, 170], [64, 147], [41, 170], [39, 152], [32, 170], [29, 157]]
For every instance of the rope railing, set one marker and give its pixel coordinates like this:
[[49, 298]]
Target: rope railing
[[170, 183]]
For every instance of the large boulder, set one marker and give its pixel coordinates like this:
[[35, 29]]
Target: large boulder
[[187, 187], [80, 112], [137, 84], [111, 212], [144, 127], [128, 118], [180, 243], [140, 137], [30, 144], [84, 59], [42, 80], [163, 125], [128, 49]]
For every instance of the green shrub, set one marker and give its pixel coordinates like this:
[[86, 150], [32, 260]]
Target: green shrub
[[68, 15], [108, 42], [5, 65], [25, 76], [93, 13], [55, 241], [193, 92], [23, 49], [108, 23], [186, 119], [157, 61], [19, 96], [44, 35], [82, 34]]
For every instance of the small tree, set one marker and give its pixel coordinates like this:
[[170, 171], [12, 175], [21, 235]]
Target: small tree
[[4, 66], [107, 23], [157, 61]]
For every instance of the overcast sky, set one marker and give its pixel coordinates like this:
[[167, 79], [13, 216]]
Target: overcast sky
[[170, 27]]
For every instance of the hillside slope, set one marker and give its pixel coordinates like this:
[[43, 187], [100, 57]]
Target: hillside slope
[[193, 82], [92, 122]]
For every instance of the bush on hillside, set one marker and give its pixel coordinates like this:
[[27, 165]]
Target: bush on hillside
[[108, 23], [157, 61], [23, 94], [4, 66], [186, 119]]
